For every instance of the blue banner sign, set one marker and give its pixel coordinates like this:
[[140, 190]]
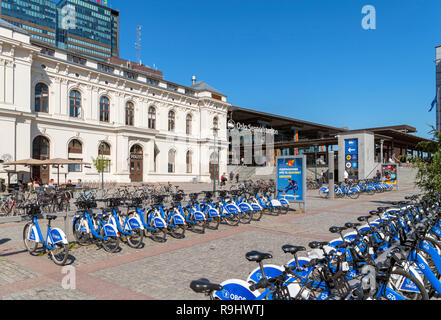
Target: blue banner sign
[[351, 157], [291, 179]]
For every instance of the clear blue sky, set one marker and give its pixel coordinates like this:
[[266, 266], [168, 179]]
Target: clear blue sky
[[307, 59]]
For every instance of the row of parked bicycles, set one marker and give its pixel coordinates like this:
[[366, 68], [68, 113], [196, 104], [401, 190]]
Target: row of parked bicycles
[[394, 253], [108, 221], [353, 189]]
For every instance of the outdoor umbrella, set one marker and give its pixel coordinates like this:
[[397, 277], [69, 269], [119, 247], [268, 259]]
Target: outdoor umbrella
[[59, 161], [25, 162]]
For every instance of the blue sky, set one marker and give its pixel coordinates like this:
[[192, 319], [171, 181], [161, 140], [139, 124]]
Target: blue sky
[[306, 59]]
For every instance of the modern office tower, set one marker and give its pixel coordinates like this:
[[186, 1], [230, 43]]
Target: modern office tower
[[80, 26]]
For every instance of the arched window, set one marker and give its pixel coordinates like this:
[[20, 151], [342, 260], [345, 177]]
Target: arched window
[[104, 109], [188, 121], [75, 146], [104, 149], [40, 148], [130, 114], [188, 160], [75, 104], [152, 118], [215, 122], [41, 98], [171, 120], [171, 161]]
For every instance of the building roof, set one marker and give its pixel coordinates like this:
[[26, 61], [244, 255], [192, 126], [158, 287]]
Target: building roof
[[10, 26], [202, 86], [277, 121]]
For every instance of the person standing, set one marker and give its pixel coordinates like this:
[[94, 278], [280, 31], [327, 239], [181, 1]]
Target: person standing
[[231, 176], [237, 177]]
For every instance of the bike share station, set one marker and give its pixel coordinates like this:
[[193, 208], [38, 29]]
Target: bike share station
[[294, 168]]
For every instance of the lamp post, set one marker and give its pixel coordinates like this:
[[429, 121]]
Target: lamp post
[[101, 149], [216, 161]]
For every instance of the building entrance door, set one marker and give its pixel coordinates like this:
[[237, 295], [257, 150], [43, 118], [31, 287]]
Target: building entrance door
[[40, 151], [136, 163]]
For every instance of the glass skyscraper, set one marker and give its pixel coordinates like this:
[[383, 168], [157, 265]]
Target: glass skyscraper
[[79, 26]]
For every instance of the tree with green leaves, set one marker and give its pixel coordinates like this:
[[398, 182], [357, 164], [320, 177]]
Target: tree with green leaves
[[100, 164], [428, 177]]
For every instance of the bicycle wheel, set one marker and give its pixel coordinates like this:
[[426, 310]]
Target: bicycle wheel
[[60, 254], [354, 195], [284, 209], [30, 245], [158, 234], [177, 232], [198, 226], [232, 220], [396, 280], [245, 217], [323, 194], [111, 244], [81, 237], [135, 240], [257, 215], [212, 223]]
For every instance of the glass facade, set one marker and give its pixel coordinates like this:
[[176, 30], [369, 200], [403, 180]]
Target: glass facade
[[76, 25], [88, 28]]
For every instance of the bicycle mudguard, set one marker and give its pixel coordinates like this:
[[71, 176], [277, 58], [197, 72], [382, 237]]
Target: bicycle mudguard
[[57, 235], [135, 223], [324, 189], [236, 289], [271, 271], [83, 226], [110, 230], [391, 294], [284, 202], [178, 219], [232, 208], [334, 243], [275, 203], [33, 234], [436, 230], [256, 206], [198, 215], [212, 212], [245, 207], [158, 222]]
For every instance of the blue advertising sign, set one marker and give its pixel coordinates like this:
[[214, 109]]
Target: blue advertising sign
[[291, 177], [351, 157]]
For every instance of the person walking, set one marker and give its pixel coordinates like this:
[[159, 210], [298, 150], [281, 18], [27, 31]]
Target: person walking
[[224, 179], [237, 177], [231, 176]]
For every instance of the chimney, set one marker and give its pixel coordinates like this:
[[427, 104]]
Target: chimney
[[193, 79]]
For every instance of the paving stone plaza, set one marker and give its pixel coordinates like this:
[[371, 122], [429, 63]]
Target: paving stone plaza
[[164, 270]]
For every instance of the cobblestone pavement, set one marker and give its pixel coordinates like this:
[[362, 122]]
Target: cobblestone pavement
[[164, 270]]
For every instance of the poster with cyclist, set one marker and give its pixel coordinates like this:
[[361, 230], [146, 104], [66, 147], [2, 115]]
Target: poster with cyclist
[[291, 179], [389, 174]]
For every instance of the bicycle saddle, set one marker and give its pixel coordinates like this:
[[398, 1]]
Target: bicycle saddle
[[364, 218], [203, 285], [335, 229], [287, 248], [50, 217], [317, 244], [257, 256], [351, 225]]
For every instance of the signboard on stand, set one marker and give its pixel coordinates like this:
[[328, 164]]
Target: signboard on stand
[[389, 173], [291, 178], [351, 158]]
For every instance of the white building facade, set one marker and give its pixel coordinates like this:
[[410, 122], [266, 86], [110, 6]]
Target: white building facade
[[53, 105]]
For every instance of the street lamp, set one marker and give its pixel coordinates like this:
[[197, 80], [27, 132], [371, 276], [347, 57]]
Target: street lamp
[[215, 130], [101, 150]]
